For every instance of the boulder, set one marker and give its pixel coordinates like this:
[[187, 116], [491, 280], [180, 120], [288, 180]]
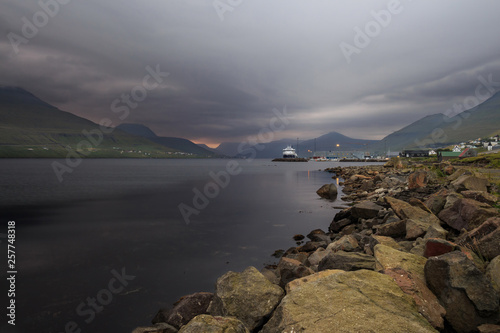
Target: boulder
[[291, 269], [214, 324], [248, 296], [485, 239], [467, 214], [316, 276], [417, 219], [157, 328], [392, 229], [418, 179], [315, 257], [361, 301], [347, 261], [318, 235], [436, 201], [436, 247], [407, 270], [185, 309], [468, 182], [365, 210], [489, 328], [347, 243], [328, 191], [336, 226], [480, 196], [467, 295], [493, 273], [387, 241]]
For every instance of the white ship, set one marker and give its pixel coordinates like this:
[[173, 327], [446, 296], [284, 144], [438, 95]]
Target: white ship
[[289, 152]]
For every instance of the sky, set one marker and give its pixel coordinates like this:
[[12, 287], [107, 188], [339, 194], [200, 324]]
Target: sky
[[213, 71]]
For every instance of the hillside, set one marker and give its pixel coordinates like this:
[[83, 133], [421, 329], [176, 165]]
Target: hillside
[[409, 136], [29, 127], [478, 122], [178, 144]]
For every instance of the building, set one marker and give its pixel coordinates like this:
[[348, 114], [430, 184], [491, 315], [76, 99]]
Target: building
[[414, 153], [449, 155], [340, 154]]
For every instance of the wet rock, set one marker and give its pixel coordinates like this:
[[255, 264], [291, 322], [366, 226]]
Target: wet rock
[[347, 243], [347, 302], [298, 237], [468, 297], [291, 269], [214, 324], [185, 309], [328, 191], [157, 328], [347, 261], [318, 235], [467, 214], [248, 296]]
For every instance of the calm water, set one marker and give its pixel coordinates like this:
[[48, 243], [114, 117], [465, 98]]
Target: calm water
[[115, 217]]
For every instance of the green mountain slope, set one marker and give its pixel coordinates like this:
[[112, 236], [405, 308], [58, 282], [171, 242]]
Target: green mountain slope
[[409, 136], [179, 144], [478, 122], [30, 127]]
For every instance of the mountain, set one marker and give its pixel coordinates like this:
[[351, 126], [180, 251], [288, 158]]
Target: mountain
[[305, 148], [177, 144], [409, 136], [481, 121], [204, 146], [438, 130], [30, 127]]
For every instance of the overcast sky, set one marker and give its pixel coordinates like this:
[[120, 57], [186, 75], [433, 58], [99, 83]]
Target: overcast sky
[[230, 62]]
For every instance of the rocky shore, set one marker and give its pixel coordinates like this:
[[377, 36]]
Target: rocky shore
[[416, 250]]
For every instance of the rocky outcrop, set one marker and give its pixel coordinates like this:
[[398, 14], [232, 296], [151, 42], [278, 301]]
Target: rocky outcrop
[[248, 296], [467, 295], [467, 214], [214, 324], [185, 309], [485, 239], [407, 270], [347, 302], [470, 183], [347, 261], [328, 191]]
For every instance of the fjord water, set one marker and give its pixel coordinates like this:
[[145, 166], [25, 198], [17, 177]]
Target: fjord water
[[107, 247]]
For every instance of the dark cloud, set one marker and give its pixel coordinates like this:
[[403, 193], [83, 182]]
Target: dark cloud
[[226, 76]]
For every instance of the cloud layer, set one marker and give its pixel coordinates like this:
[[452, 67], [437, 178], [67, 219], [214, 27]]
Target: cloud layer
[[404, 60]]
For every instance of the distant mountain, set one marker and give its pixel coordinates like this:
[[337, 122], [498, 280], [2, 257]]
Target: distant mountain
[[177, 144], [30, 127], [481, 121], [409, 136], [274, 149], [438, 130], [213, 150]]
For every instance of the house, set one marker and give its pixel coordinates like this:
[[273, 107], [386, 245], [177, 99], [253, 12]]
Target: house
[[447, 155], [414, 153], [457, 149], [432, 152]]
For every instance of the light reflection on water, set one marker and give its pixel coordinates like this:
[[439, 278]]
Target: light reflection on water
[[111, 214]]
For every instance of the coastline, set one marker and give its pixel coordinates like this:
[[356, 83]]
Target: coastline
[[405, 226]]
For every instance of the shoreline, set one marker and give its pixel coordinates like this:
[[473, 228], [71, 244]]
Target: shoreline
[[403, 227]]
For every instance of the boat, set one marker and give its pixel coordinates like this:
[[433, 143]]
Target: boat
[[289, 152]]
